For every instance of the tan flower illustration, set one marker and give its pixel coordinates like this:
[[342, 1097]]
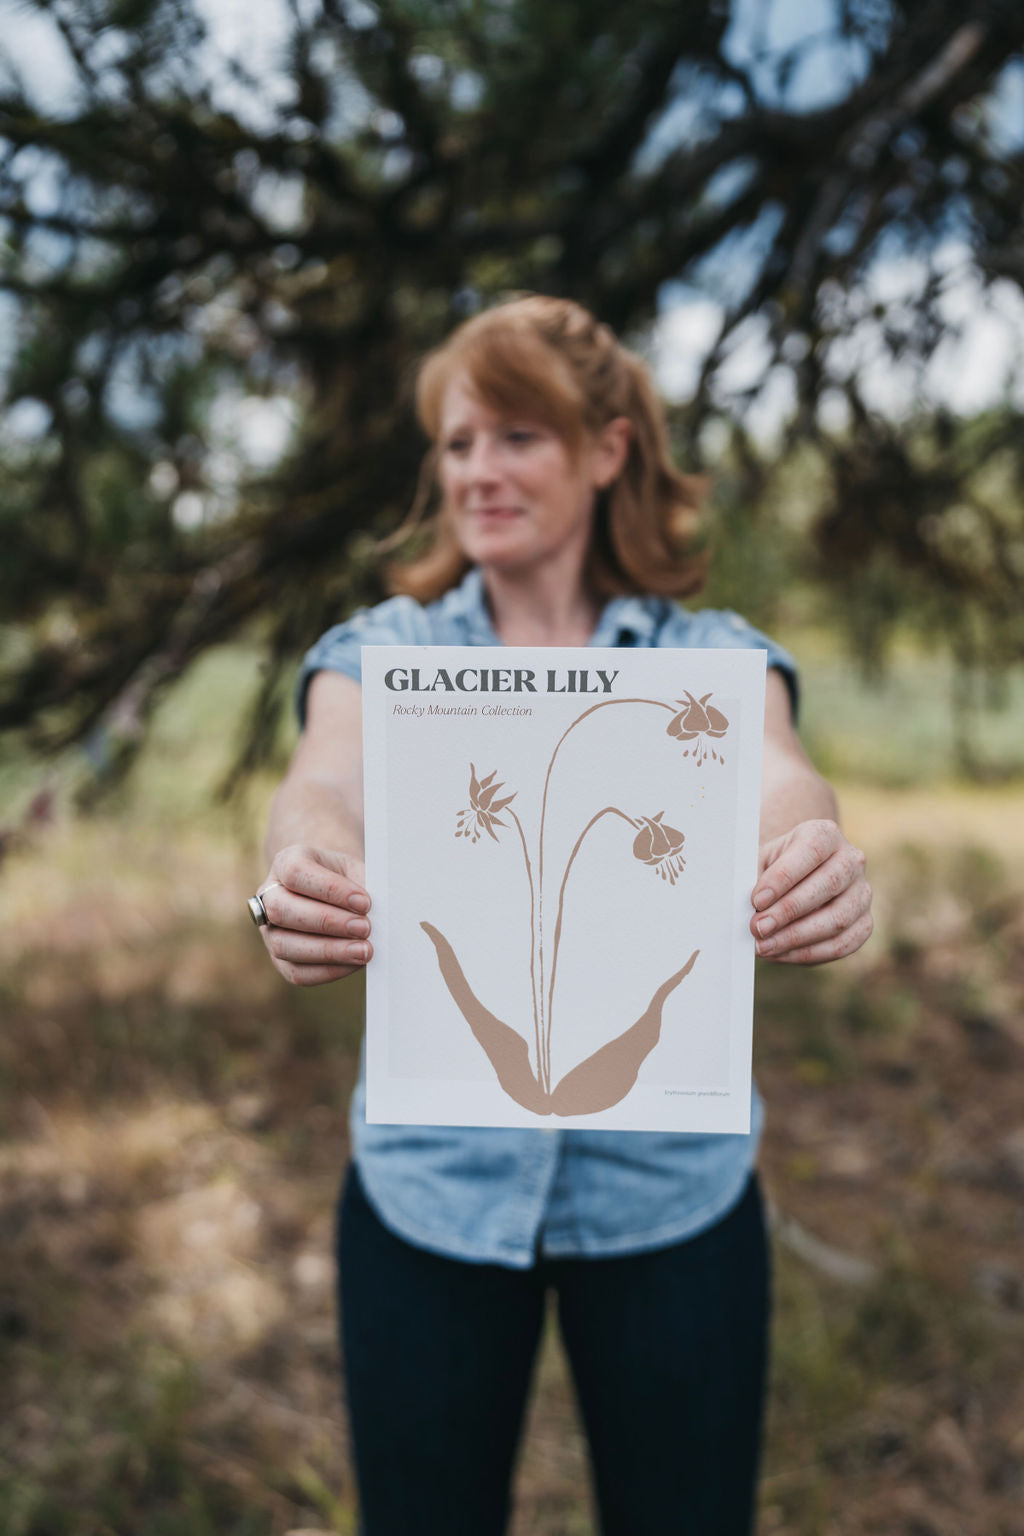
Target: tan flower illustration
[[696, 720], [606, 1076], [482, 814], [661, 847]]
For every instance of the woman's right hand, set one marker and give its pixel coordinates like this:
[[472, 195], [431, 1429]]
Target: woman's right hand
[[316, 903]]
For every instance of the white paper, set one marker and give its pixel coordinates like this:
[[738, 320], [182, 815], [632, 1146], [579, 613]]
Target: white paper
[[579, 954]]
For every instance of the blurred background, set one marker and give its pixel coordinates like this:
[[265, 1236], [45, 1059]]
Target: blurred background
[[228, 228]]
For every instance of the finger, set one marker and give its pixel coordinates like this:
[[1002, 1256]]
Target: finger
[[812, 844], [332, 881], [846, 943], [826, 923], [822, 885], [313, 975], [306, 949], [285, 909]]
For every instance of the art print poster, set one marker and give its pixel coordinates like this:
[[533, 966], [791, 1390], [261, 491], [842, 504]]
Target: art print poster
[[561, 844]]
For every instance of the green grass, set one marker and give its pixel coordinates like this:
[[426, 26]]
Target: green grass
[[896, 731], [899, 729]]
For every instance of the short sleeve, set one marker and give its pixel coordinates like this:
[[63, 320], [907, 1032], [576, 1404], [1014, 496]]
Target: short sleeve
[[720, 628], [399, 621]]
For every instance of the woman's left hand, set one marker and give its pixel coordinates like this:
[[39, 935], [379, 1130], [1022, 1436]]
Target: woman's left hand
[[812, 902]]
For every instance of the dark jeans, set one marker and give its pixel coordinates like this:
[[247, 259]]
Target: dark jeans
[[667, 1350]]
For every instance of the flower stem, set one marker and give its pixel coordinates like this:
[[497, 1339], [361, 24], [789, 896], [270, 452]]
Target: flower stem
[[609, 810], [604, 704], [537, 1021]]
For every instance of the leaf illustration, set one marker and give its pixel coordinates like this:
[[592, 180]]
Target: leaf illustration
[[605, 1078], [597, 1083], [506, 1050]]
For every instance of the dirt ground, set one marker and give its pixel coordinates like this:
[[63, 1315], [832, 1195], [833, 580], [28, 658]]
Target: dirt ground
[[173, 1133]]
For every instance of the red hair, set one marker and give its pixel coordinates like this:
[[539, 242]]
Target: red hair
[[549, 360]]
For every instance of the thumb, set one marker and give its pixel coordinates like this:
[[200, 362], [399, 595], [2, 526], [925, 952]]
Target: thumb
[[338, 863]]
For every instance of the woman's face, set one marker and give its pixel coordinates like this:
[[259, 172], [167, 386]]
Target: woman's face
[[516, 495]]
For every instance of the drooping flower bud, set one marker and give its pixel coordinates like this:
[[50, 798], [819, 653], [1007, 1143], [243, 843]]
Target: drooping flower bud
[[661, 847]]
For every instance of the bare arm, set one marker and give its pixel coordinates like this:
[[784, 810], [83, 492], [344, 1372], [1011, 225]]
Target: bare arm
[[320, 798], [812, 902], [315, 893]]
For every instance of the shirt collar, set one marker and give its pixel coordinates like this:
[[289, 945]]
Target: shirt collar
[[623, 620]]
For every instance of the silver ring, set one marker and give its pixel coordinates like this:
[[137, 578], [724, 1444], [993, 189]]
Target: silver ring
[[257, 911]]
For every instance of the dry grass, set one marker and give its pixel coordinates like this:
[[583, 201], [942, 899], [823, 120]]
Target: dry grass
[[897, 1135], [172, 1132]]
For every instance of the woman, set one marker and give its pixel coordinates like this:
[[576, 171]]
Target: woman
[[561, 522]]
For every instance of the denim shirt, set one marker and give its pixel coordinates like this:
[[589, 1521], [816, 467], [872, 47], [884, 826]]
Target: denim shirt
[[501, 1195]]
